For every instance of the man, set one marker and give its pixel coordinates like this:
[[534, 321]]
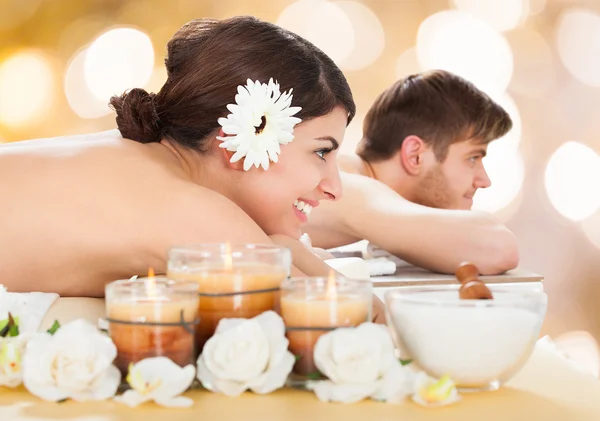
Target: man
[[411, 187]]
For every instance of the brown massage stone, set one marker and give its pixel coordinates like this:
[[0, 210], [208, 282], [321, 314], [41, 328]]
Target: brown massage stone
[[467, 272], [474, 290], [472, 287]]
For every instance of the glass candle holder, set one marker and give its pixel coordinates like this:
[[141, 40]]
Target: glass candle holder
[[233, 281], [311, 307], [150, 317]]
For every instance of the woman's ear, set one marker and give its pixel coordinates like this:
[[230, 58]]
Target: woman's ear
[[411, 154], [226, 155]]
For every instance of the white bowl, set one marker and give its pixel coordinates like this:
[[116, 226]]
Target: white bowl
[[480, 344]]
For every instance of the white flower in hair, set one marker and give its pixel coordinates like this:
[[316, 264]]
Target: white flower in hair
[[260, 120]]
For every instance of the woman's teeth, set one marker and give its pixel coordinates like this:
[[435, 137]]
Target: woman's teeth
[[305, 208]]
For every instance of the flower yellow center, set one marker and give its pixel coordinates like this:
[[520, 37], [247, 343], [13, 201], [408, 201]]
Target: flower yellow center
[[137, 383], [10, 358], [438, 391]]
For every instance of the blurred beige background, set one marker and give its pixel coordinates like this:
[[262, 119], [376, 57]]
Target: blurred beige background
[[60, 61]]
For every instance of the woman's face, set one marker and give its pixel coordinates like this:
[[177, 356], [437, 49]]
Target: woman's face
[[305, 174]]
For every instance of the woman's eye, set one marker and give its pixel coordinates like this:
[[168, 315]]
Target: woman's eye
[[322, 152]]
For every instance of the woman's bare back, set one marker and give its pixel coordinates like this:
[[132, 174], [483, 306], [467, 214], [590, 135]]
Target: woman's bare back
[[80, 211]]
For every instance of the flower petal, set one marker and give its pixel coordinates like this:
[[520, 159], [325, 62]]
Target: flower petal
[[328, 391], [131, 398], [276, 377], [106, 385], [433, 393], [396, 384], [204, 375], [230, 388]]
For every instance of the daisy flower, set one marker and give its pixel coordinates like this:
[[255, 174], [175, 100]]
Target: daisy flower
[[261, 119]]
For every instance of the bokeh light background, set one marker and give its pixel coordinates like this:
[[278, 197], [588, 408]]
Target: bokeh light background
[[61, 60]]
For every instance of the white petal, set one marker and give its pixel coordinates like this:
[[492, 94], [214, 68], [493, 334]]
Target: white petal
[[238, 354], [291, 111], [230, 129], [285, 138], [175, 383], [322, 357], [273, 326], [236, 157], [396, 384], [273, 156], [173, 380], [328, 391], [275, 378], [204, 375], [107, 385], [131, 398], [230, 388], [248, 164], [265, 161]]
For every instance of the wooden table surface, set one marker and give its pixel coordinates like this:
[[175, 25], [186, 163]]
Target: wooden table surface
[[548, 388]]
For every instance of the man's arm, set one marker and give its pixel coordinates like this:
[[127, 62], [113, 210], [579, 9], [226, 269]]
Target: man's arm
[[435, 239]]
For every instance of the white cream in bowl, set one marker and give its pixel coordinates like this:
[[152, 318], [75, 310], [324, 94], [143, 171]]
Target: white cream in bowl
[[478, 343]]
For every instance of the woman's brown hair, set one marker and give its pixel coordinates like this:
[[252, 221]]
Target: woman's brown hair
[[439, 107], [208, 59]]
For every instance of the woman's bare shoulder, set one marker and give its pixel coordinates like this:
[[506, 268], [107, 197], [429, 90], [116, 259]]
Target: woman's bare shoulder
[[199, 214], [105, 136]]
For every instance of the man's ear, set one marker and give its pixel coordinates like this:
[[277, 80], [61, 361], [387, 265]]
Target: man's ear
[[411, 154], [226, 155]]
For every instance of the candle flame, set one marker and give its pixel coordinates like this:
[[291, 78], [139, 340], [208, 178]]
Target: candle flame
[[228, 257], [151, 283], [331, 286]]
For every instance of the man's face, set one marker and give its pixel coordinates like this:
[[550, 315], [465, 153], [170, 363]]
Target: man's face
[[451, 184]]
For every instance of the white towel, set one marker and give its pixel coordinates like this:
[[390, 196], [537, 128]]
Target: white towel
[[350, 267], [30, 307]]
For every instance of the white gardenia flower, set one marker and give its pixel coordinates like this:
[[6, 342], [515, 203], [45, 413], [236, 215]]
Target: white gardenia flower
[[260, 120], [75, 362], [12, 350], [430, 392], [246, 354], [359, 362], [160, 380]]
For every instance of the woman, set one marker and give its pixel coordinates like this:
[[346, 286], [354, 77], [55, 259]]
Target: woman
[[221, 153]]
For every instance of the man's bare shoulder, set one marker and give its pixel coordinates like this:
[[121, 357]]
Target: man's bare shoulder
[[359, 187]]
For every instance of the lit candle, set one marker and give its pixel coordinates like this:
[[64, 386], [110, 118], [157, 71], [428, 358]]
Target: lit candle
[[233, 281], [311, 307], [151, 317]]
